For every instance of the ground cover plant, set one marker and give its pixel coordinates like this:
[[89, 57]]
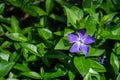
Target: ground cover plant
[[59, 39]]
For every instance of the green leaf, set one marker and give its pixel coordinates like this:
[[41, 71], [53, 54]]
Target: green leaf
[[115, 30], [90, 25], [32, 74], [109, 35], [56, 74], [62, 44], [49, 5], [2, 6], [34, 10], [90, 9], [82, 65], [95, 52], [45, 33], [41, 49], [77, 11], [71, 75], [42, 72], [32, 58], [7, 28], [72, 18], [14, 57], [5, 67], [6, 44], [107, 18], [30, 47], [118, 50], [96, 66], [14, 24], [90, 74], [58, 18], [114, 62], [21, 67], [4, 55], [1, 30], [118, 77], [26, 30], [16, 37], [17, 3]]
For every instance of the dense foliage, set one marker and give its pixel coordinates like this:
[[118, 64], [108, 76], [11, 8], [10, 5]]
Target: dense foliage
[[34, 41]]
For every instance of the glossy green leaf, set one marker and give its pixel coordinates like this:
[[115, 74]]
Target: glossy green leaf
[[81, 67], [49, 5], [4, 55], [62, 44], [17, 3], [84, 68], [114, 62], [92, 73], [57, 17], [30, 47], [32, 74], [56, 74], [34, 10], [41, 49], [14, 24], [16, 37], [107, 18], [7, 28], [96, 66], [5, 67], [6, 44], [71, 75], [109, 35], [77, 11], [32, 58], [21, 67], [45, 33], [14, 57], [26, 30], [72, 18], [118, 50], [91, 25], [95, 52], [115, 30]]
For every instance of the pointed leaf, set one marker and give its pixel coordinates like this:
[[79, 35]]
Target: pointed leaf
[[5, 67], [30, 47], [14, 24], [114, 62], [32, 74], [16, 37]]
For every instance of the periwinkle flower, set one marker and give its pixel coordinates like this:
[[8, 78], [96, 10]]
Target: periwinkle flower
[[80, 42], [101, 60]]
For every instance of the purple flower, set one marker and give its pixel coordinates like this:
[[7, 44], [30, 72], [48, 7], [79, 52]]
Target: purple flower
[[101, 60], [80, 42]]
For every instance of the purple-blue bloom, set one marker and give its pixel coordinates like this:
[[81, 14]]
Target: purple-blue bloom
[[80, 42], [101, 60]]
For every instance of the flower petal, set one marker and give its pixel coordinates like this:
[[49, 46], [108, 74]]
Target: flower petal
[[72, 38], [88, 40], [75, 48], [81, 33], [84, 49]]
